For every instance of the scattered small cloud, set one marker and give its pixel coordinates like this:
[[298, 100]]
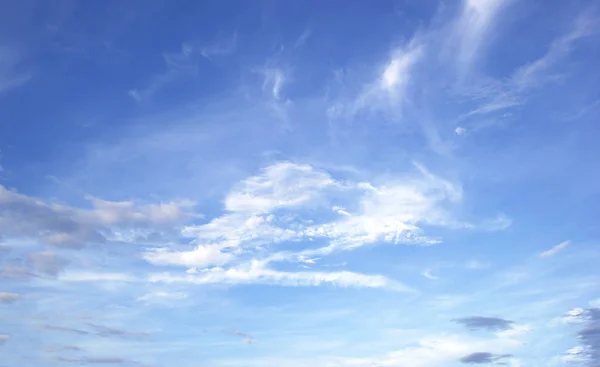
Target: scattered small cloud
[[556, 249], [460, 131], [8, 297], [4, 338], [427, 273], [484, 358], [246, 338], [162, 297], [476, 265], [485, 323]]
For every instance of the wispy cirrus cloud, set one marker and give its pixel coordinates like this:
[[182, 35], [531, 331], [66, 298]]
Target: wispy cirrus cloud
[[500, 95], [224, 45], [10, 74], [471, 28], [388, 91], [556, 249], [178, 65]]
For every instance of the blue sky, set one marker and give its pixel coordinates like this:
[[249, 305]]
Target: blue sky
[[306, 183]]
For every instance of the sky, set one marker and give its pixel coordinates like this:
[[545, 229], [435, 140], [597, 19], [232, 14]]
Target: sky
[[299, 183]]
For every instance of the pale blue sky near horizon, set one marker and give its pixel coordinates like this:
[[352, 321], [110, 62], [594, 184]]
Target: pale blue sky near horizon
[[299, 183]]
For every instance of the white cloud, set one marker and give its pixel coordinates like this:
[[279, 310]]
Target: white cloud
[[267, 209], [4, 338], [274, 80], [396, 75], [389, 90], [460, 131], [84, 276], [475, 264], [203, 256], [280, 185], [259, 275], [554, 250], [427, 273], [472, 27], [530, 75], [504, 94], [162, 297]]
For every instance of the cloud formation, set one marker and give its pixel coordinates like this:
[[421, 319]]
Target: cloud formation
[[554, 250], [485, 323], [270, 208], [588, 353], [99, 330], [96, 360], [8, 297], [484, 358], [60, 225]]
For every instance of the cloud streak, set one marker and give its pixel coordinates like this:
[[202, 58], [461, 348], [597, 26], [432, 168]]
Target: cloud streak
[[556, 249], [485, 323], [484, 358]]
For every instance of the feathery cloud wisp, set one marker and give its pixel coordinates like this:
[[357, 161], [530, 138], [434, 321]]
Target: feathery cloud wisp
[[556, 249]]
